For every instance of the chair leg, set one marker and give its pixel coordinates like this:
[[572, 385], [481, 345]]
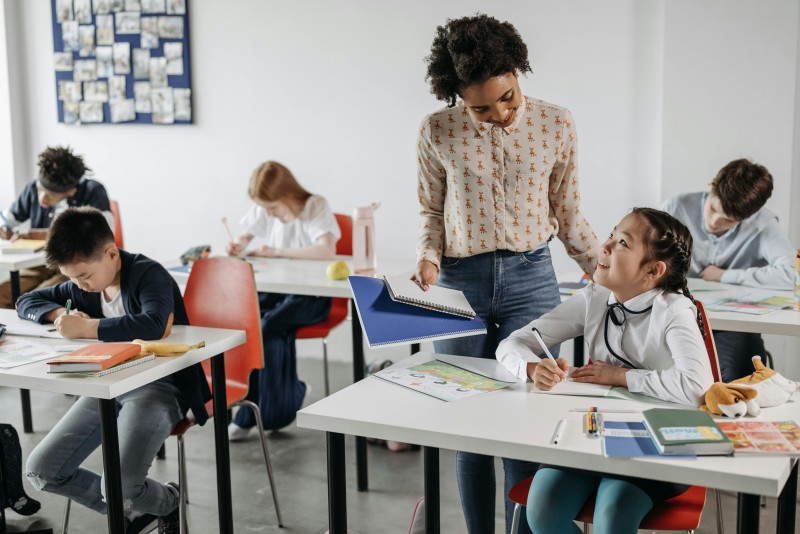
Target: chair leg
[[325, 365], [183, 481], [763, 501], [586, 528], [253, 406], [515, 518], [65, 524], [718, 508]]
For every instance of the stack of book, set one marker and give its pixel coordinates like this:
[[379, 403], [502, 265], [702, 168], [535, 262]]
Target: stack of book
[[99, 359]]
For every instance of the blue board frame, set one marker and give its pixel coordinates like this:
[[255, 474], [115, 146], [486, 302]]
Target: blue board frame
[[182, 81]]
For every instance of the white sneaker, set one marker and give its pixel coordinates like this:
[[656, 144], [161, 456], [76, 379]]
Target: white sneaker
[[237, 433]]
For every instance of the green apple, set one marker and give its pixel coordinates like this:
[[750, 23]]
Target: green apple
[[337, 270]]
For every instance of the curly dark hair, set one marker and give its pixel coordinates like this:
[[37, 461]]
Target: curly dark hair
[[668, 240], [58, 165], [471, 50]]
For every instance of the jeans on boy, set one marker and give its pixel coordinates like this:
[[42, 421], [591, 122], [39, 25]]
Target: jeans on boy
[[145, 418], [735, 351], [507, 290]]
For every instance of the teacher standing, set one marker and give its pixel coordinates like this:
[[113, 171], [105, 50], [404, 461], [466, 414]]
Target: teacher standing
[[498, 179]]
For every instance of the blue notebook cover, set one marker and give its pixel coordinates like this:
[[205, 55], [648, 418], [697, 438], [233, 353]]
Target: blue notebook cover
[[629, 439], [386, 322]]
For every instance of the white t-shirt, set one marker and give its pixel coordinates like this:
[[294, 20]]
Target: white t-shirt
[[313, 222], [113, 308]]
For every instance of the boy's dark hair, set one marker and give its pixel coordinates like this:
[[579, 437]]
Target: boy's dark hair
[[743, 187], [59, 169], [668, 240], [78, 234], [471, 50]]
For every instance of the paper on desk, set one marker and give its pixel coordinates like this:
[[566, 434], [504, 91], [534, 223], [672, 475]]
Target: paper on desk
[[698, 284], [570, 387], [19, 351], [28, 328]]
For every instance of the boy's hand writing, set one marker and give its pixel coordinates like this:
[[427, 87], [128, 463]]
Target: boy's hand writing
[[547, 373], [427, 274], [6, 232], [601, 373], [76, 326], [712, 273]]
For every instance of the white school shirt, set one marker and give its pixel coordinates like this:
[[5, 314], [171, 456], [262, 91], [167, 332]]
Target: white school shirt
[[113, 308], [664, 344], [315, 220]]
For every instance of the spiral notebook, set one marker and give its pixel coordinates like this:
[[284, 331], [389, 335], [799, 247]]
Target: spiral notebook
[[403, 289], [387, 322], [119, 367]]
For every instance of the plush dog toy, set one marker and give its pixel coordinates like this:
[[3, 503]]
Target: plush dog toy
[[764, 388]]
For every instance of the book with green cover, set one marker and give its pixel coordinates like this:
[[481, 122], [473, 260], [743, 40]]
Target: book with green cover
[[686, 432]]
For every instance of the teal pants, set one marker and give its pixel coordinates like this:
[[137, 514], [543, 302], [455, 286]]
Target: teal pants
[[556, 497]]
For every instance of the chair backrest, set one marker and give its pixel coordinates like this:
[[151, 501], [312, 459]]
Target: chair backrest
[[117, 224], [221, 293], [708, 338], [344, 247]]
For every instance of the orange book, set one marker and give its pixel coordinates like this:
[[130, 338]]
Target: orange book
[[94, 357]]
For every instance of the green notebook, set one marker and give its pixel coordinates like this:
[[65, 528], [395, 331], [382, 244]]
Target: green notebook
[[686, 432]]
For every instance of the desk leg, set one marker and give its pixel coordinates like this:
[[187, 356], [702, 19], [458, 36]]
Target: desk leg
[[224, 501], [577, 351], [337, 487], [358, 375], [24, 394], [111, 469], [431, 455], [787, 504], [748, 510], [414, 348]]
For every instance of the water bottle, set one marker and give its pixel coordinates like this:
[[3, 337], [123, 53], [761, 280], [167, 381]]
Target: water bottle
[[364, 259]]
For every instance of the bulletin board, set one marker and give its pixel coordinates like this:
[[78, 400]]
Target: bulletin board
[[122, 61]]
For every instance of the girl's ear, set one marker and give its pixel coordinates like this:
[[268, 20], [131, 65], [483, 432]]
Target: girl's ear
[[657, 270]]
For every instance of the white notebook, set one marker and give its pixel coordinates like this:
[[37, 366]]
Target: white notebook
[[452, 301]]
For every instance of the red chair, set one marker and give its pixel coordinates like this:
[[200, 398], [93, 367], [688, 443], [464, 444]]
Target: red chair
[[117, 224], [679, 513], [221, 293], [338, 313]]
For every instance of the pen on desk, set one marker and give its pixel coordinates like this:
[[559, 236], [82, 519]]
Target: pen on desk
[[603, 411], [69, 305], [559, 431]]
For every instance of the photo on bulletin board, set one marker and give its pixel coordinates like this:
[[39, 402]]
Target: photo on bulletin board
[[122, 61]]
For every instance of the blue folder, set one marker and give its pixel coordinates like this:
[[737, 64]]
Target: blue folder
[[386, 322], [641, 444]]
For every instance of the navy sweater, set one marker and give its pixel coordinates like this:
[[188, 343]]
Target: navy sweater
[[88, 193], [152, 301]]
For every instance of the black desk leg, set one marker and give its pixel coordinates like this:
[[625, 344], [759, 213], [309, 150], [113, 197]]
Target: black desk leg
[[431, 455], [748, 509], [414, 348], [358, 375], [787, 504], [111, 469], [24, 394], [224, 502], [577, 351], [337, 487]]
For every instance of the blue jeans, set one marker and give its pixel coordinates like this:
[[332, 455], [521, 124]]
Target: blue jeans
[[145, 419], [507, 290], [735, 351], [276, 389]]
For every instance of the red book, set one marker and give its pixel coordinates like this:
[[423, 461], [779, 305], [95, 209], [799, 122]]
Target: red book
[[94, 357]]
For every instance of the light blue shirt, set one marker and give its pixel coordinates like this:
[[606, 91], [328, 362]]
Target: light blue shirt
[[754, 253]]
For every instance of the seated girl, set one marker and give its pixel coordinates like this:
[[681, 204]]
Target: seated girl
[[641, 326]]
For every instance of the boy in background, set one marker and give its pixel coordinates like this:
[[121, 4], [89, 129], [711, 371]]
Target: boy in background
[[736, 241], [61, 184], [118, 296]]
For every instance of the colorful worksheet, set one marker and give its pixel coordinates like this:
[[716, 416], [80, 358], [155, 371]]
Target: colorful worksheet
[[19, 351]]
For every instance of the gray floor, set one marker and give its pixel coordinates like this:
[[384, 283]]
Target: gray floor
[[299, 460]]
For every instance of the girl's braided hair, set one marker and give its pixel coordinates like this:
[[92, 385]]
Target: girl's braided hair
[[668, 240]]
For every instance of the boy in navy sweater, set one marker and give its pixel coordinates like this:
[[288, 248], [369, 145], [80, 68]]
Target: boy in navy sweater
[[118, 296], [62, 183]]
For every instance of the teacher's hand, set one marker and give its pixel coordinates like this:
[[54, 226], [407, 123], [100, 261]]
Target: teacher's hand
[[427, 274]]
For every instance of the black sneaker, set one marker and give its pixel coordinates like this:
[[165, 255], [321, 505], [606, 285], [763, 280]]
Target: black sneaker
[[171, 523], [143, 523]]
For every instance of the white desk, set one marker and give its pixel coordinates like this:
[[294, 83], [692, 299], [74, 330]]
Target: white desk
[[308, 277], [781, 322], [517, 424], [107, 388]]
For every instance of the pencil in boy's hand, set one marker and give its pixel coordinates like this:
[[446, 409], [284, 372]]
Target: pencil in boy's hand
[[228, 230], [69, 306]]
